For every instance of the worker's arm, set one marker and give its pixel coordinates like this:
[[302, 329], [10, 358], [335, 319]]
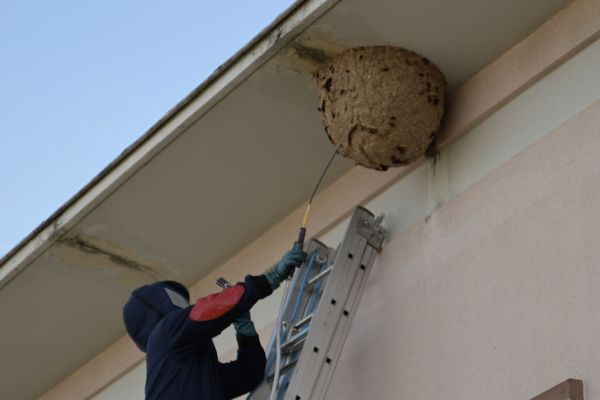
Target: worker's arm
[[247, 371], [212, 314]]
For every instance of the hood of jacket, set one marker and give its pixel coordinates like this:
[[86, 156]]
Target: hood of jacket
[[147, 306]]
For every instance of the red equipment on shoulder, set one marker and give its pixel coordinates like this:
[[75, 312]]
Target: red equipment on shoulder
[[216, 305]]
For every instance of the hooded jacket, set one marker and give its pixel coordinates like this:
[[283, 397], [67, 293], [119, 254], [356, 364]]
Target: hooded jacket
[[181, 359]]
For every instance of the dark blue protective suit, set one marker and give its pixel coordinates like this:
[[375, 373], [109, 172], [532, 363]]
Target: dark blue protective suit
[[181, 359]]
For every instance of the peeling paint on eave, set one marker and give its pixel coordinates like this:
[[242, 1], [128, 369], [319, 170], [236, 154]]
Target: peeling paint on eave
[[225, 79], [85, 251]]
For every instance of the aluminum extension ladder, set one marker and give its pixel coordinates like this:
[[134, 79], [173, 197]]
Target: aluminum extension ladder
[[318, 308]]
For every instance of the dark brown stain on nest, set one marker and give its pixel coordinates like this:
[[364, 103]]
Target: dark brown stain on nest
[[432, 99], [399, 158]]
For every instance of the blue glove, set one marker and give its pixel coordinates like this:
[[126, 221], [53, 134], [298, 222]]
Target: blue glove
[[244, 326], [292, 259]]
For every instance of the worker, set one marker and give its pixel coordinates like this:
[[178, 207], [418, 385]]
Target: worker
[[181, 359]]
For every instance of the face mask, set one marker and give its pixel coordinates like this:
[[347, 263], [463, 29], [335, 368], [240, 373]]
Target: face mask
[[176, 298]]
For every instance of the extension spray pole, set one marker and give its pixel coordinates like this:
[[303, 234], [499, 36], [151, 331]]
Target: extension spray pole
[[299, 244]]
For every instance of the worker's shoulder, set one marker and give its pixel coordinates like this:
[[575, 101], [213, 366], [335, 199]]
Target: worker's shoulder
[[171, 323]]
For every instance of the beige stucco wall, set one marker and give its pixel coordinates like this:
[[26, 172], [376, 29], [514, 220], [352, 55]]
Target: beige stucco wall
[[497, 294]]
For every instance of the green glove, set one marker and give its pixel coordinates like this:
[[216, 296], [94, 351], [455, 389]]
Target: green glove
[[244, 326], [292, 259]]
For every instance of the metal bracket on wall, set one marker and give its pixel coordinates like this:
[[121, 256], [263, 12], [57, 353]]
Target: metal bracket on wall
[[571, 389]]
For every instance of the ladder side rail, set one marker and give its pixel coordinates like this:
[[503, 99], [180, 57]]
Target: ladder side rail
[[335, 350], [325, 336], [318, 338]]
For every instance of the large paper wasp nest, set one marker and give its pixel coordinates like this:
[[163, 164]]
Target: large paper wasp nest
[[382, 105]]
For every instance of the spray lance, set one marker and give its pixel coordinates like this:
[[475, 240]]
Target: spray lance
[[299, 244]]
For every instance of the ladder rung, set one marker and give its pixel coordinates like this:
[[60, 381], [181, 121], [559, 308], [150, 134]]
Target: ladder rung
[[319, 276], [303, 322], [283, 370], [294, 341]]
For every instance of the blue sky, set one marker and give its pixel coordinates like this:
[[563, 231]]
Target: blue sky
[[81, 80]]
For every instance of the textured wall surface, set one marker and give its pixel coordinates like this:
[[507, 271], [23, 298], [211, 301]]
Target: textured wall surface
[[497, 294]]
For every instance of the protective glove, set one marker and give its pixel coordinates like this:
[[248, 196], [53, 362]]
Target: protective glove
[[292, 259], [244, 326]]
